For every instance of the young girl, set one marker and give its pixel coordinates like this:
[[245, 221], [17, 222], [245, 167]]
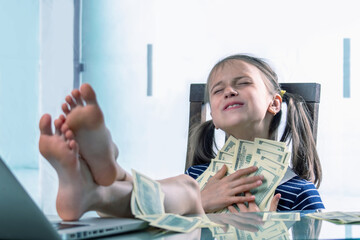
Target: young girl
[[245, 101]]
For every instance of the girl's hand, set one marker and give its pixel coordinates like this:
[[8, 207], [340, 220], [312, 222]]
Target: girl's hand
[[275, 202], [252, 207], [221, 191]]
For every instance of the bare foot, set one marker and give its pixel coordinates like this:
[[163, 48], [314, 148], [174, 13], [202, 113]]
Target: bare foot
[[77, 190], [85, 119]]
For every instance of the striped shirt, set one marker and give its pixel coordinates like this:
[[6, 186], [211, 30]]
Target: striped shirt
[[296, 193]]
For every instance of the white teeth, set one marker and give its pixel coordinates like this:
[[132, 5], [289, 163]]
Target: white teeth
[[234, 105]]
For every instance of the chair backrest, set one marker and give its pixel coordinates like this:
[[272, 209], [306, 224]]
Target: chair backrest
[[309, 91]]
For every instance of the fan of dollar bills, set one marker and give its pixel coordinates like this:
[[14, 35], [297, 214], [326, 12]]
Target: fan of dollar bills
[[147, 203], [271, 158]]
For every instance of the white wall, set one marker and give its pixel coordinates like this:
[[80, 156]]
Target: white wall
[[55, 81], [302, 39], [36, 73], [19, 61]]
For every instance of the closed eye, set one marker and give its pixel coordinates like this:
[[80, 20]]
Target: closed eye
[[242, 81], [216, 91]]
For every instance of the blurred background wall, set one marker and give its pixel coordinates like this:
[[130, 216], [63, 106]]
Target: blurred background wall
[[141, 57]]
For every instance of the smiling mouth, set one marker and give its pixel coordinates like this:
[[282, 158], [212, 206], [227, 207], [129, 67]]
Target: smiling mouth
[[236, 105]]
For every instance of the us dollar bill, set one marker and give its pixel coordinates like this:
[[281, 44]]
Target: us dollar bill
[[224, 156], [276, 145], [230, 145], [281, 216], [243, 154], [177, 223], [149, 196], [337, 217], [216, 165], [264, 192], [135, 210]]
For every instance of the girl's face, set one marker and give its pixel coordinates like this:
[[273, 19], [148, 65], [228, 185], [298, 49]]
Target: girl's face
[[240, 101]]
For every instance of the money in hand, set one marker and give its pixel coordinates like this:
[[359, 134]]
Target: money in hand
[[271, 158]]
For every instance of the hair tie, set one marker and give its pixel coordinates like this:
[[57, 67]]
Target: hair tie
[[282, 92]]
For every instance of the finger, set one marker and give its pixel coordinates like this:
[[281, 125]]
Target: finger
[[252, 205], [246, 180], [243, 172], [242, 207], [242, 199], [232, 209], [246, 187], [274, 202], [221, 173]]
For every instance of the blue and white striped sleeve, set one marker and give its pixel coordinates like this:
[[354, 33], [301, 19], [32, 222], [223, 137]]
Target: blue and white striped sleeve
[[299, 194], [197, 170]]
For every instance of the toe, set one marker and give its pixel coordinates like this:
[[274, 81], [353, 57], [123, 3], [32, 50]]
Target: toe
[[64, 128], [45, 125], [69, 134], [88, 93], [70, 101], [77, 96], [74, 146], [58, 124], [65, 108]]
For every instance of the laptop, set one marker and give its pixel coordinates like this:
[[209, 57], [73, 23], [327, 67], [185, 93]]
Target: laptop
[[21, 218]]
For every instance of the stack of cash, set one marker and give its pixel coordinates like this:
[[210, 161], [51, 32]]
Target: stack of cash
[[271, 158], [147, 203], [337, 217]]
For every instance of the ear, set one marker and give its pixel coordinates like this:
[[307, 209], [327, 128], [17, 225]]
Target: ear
[[275, 105]]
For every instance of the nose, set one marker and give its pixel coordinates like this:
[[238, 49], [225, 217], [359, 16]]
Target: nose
[[230, 92]]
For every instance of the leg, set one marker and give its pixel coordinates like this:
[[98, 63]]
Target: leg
[[78, 193], [85, 119], [182, 195]]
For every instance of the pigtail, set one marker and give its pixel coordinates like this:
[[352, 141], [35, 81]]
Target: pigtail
[[202, 140], [305, 159]]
